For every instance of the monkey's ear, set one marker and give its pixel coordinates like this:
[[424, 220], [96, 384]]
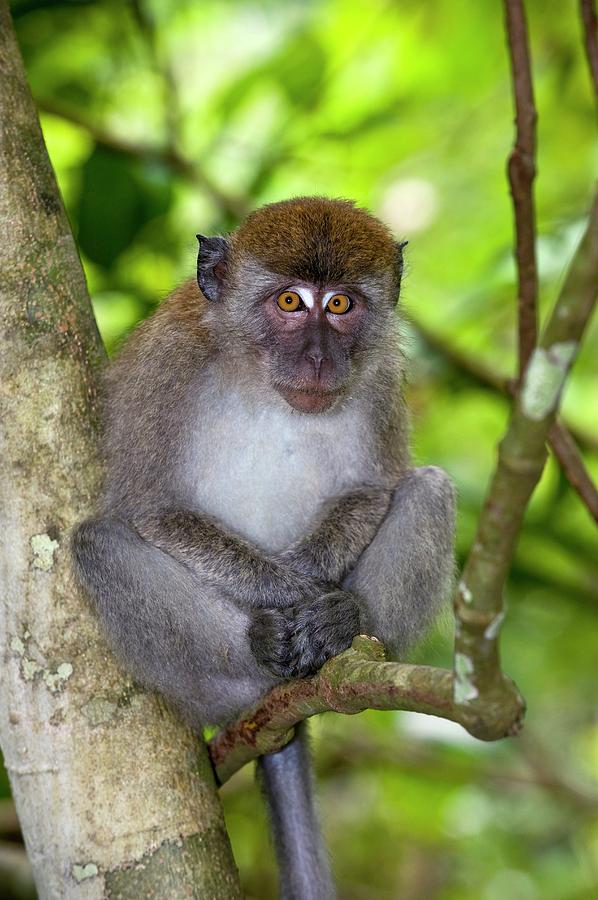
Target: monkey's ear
[[212, 261], [399, 258]]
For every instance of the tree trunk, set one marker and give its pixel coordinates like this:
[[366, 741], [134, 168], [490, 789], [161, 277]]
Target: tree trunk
[[115, 796]]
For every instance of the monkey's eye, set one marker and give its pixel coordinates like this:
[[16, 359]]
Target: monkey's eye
[[339, 304], [289, 301]]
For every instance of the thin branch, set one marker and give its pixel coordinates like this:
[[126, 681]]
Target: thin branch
[[522, 171], [590, 28], [477, 370], [567, 452], [476, 694], [229, 205], [560, 438]]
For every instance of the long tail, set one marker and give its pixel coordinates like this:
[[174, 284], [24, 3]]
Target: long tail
[[286, 780]]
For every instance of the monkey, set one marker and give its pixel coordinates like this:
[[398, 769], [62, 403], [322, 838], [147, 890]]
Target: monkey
[[260, 506]]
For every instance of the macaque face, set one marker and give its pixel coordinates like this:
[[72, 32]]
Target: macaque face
[[307, 287], [313, 340], [312, 333]]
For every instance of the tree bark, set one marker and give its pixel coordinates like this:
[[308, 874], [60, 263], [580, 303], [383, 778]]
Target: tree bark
[[116, 798]]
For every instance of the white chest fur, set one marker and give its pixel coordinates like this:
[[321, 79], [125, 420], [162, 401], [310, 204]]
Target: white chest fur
[[265, 471]]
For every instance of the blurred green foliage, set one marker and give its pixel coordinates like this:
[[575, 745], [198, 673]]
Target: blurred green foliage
[[168, 117]]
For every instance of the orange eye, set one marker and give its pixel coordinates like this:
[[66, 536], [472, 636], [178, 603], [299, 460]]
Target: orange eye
[[289, 301], [339, 304]]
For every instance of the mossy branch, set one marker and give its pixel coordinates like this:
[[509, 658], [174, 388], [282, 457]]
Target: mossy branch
[[349, 683]]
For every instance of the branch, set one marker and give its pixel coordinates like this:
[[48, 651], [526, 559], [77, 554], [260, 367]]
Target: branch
[[476, 694], [481, 373], [560, 438], [351, 682], [590, 28], [229, 205], [522, 454], [522, 171], [567, 452]]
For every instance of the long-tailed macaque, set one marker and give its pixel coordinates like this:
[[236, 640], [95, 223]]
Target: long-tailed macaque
[[260, 508]]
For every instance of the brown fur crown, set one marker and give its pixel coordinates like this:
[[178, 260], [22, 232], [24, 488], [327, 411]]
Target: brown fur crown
[[317, 239]]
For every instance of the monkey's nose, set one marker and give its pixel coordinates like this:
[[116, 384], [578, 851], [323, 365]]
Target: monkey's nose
[[316, 358]]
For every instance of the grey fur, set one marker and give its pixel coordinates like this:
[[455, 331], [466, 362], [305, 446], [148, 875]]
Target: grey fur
[[239, 541], [286, 780]]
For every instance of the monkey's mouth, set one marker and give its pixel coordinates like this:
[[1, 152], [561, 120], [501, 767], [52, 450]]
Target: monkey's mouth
[[308, 401]]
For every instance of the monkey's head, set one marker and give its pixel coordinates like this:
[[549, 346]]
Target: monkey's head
[[307, 288]]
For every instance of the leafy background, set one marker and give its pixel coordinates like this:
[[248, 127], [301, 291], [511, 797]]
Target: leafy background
[[168, 117]]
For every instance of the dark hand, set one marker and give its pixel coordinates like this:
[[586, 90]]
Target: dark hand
[[297, 641]]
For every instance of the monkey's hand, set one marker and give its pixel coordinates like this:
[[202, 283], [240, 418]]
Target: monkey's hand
[[295, 642], [348, 525]]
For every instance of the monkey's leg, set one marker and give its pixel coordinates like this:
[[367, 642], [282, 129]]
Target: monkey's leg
[[407, 570], [174, 632]]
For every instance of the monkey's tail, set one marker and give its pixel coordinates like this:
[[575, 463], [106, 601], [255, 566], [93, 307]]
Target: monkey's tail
[[286, 780]]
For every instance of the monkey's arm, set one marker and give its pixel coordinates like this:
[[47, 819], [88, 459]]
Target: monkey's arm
[[227, 561], [349, 525], [393, 592]]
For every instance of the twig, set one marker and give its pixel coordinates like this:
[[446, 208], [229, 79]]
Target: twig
[[567, 452], [522, 171], [229, 205], [477, 370], [560, 438], [590, 27]]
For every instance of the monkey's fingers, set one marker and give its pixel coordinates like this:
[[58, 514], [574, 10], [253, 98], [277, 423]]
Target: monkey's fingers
[[271, 641], [323, 629]]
